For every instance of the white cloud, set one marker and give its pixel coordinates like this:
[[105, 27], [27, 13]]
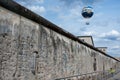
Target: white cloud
[[76, 11], [89, 33], [34, 5], [37, 9], [70, 16], [114, 32], [28, 2], [98, 15], [41, 1], [115, 47], [55, 8], [112, 35]]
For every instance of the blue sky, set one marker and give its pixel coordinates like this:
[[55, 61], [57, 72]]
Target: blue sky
[[104, 25]]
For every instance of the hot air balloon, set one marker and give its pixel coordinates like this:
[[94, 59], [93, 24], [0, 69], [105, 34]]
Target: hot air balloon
[[87, 12]]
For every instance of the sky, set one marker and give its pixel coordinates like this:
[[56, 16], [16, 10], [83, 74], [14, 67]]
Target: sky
[[104, 25]]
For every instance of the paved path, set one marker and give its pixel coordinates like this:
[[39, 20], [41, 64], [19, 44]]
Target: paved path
[[116, 77]]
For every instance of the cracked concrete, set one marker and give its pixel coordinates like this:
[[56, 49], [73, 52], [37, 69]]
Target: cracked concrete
[[30, 51]]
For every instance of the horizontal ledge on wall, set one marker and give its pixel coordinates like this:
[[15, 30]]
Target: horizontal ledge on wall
[[22, 11]]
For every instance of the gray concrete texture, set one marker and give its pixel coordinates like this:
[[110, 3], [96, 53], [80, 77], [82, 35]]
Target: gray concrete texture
[[30, 51]]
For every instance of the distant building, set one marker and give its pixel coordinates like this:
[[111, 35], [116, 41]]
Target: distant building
[[87, 39], [104, 49]]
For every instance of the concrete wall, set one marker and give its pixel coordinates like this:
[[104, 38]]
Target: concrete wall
[[30, 51]]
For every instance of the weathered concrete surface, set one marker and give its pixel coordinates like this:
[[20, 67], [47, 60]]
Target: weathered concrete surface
[[30, 51], [115, 77]]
